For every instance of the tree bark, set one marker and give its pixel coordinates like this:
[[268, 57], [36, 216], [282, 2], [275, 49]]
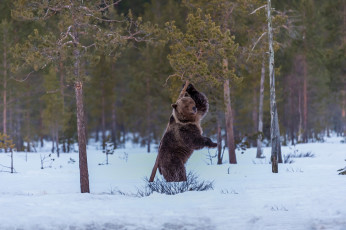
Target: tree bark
[[219, 143], [229, 119], [260, 112], [148, 114], [78, 85], [11, 160], [255, 113], [274, 126], [305, 100], [300, 128], [103, 118], [114, 125], [57, 139], [83, 162], [53, 142], [291, 108], [62, 92], [5, 83]]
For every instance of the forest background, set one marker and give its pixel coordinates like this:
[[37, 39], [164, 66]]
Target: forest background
[[127, 96]]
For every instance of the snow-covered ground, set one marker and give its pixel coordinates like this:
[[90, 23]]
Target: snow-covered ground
[[307, 194]]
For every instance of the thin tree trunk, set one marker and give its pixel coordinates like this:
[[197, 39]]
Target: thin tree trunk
[[64, 145], [103, 118], [11, 160], [274, 126], [97, 134], [260, 113], [29, 131], [229, 118], [53, 142], [148, 115], [18, 127], [57, 139], [291, 109], [5, 84], [83, 162], [300, 128], [343, 91], [61, 71], [219, 143], [114, 126], [10, 114], [343, 111], [254, 112], [305, 100]]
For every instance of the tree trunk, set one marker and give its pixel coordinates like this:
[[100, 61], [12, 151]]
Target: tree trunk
[[254, 113], [5, 84], [57, 139], [274, 126], [148, 115], [10, 118], [229, 118], [97, 134], [260, 113], [53, 142], [300, 128], [114, 125], [219, 143], [291, 109], [18, 124], [11, 160], [343, 110], [61, 71], [83, 162], [103, 118], [305, 100], [78, 85]]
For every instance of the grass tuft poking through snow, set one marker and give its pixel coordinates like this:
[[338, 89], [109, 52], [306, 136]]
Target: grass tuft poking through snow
[[193, 183], [161, 186]]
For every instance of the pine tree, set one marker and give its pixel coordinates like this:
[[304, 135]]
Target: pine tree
[[80, 20], [201, 55]]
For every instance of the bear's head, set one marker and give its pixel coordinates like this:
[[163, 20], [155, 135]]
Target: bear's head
[[184, 110]]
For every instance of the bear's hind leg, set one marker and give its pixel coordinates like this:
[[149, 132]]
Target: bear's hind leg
[[174, 173]]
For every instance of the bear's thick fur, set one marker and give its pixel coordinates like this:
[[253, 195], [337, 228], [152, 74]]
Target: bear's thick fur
[[183, 135]]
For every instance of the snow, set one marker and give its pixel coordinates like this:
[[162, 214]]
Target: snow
[[307, 194]]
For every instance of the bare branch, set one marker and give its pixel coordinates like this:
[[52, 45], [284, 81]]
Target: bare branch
[[181, 76], [28, 75], [258, 9], [256, 44]]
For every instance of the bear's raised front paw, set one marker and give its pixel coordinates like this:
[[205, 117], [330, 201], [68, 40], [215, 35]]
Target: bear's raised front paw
[[190, 88], [213, 145]]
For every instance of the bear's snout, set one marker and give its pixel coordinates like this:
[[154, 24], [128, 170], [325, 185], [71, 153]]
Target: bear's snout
[[194, 109]]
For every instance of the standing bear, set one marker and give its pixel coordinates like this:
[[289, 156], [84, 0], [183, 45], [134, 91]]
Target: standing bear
[[183, 135]]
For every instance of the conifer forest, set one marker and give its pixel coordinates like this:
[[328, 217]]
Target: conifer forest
[[87, 78], [131, 77]]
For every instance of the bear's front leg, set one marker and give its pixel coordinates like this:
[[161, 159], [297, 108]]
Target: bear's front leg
[[192, 137], [202, 142]]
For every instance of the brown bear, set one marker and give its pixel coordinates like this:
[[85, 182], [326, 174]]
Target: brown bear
[[183, 135]]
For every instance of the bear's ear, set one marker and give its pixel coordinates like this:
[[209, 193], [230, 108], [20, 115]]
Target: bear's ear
[[174, 106]]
